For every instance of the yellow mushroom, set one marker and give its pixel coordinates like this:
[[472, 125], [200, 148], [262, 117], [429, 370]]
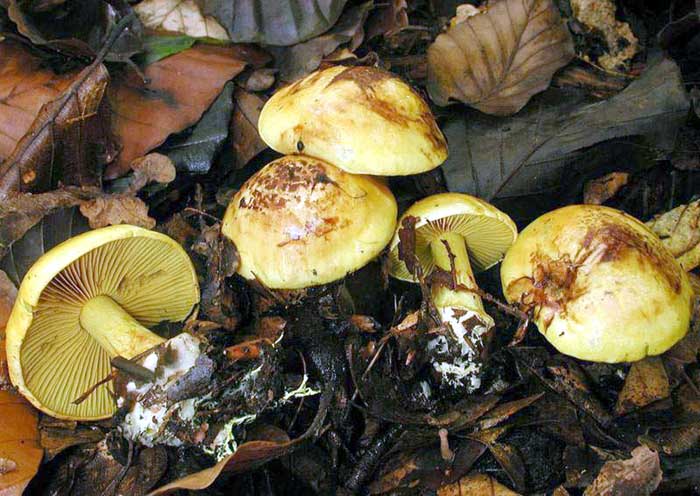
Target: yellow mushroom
[[90, 299], [301, 222], [363, 120], [600, 284], [476, 235]]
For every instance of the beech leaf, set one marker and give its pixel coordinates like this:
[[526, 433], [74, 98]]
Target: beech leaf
[[476, 484], [51, 127], [244, 127], [639, 475], [498, 59], [180, 16], [678, 230], [117, 209], [646, 382], [180, 89]]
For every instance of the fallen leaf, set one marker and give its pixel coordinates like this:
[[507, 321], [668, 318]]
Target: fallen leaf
[[506, 410], [20, 213], [8, 293], [117, 209], [181, 87], [388, 19], [276, 22], [646, 382], [154, 167], [50, 123], [55, 440], [244, 127], [180, 16], [537, 151], [679, 230], [639, 475], [19, 436], [498, 59], [598, 191], [194, 150], [480, 484], [162, 45], [299, 60]]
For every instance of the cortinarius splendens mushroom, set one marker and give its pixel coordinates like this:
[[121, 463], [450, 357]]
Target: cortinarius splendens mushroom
[[300, 222], [476, 235], [363, 120], [90, 299], [601, 286]]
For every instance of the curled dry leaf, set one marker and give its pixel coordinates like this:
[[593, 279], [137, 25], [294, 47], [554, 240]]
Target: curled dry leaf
[[180, 89], [48, 123], [117, 209], [600, 190], [639, 475], [481, 484], [646, 382], [244, 127], [679, 230], [496, 60], [181, 16], [153, 167], [8, 293]]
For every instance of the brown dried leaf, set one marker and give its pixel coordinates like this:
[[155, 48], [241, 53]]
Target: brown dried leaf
[[117, 209], [646, 382], [600, 190], [639, 475], [56, 439], [679, 230], [496, 60], [19, 213], [154, 167], [180, 89], [19, 436], [180, 16], [480, 484], [387, 20], [8, 293], [503, 412], [244, 127], [48, 123]]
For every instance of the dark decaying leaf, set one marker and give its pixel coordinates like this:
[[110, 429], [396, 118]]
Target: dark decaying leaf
[[646, 382], [194, 150], [481, 484], [387, 19], [542, 147], [245, 138], [180, 89], [298, 60], [60, 144], [78, 27], [275, 22], [639, 475], [497, 59], [57, 438], [21, 213], [8, 293]]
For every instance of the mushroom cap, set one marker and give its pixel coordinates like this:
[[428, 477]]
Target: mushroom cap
[[601, 285], [51, 359], [362, 119], [301, 222], [487, 231]]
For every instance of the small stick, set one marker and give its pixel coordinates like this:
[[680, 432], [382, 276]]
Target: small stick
[[133, 369], [110, 377]]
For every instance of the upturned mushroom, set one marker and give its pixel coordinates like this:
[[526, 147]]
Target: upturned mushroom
[[301, 222], [86, 301], [363, 120], [600, 285], [457, 234]]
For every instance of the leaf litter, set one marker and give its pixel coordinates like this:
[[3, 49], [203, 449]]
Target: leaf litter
[[330, 390]]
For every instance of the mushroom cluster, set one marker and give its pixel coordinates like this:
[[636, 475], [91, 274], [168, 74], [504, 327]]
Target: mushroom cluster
[[318, 214]]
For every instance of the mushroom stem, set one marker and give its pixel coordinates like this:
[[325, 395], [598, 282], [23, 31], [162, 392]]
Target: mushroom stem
[[114, 329], [457, 307]]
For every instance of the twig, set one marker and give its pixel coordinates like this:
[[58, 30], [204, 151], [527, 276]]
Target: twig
[[368, 463], [110, 377], [133, 369]]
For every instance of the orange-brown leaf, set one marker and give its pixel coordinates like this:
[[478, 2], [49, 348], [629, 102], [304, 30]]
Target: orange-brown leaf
[[180, 88], [499, 58], [49, 123], [481, 484]]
